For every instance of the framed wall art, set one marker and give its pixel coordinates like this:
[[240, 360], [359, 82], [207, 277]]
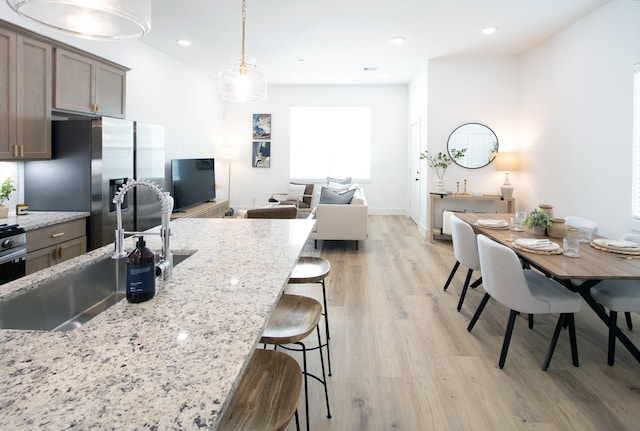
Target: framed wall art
[[262, 126], [261, 154]]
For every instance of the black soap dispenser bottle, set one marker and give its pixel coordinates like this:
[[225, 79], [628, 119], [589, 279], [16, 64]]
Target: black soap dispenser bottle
[[141, 277]]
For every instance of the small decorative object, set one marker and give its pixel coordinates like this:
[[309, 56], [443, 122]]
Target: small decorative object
[[6, 189], [22, 209], [440, 163], [261, 157], [558, 228], [457, 187], [547, 208], [538, 220]]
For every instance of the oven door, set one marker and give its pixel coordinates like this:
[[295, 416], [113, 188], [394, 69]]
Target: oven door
[[13, 265]]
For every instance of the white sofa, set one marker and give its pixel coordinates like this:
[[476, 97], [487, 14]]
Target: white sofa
[[341, 221]]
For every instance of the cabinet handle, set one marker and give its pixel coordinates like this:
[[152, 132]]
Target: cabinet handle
[[97, 108], [21, 150], [15, 151], [57, 235], [54, 254]]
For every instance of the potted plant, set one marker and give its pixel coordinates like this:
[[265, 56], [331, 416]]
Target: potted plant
[[538, 220], [440, 162], [6, 188]]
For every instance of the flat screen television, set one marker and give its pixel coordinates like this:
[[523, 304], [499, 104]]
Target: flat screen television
[[193, 181]]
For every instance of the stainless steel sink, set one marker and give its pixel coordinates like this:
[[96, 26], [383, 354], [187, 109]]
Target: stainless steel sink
[[70, 301]]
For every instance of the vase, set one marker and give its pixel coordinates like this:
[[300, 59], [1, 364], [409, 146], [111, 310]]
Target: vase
[[539, 230], [440, 186], [4, 211], [558, 228]]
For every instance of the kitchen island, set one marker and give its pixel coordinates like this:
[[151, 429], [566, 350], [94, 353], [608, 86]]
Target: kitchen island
[[168, 363]]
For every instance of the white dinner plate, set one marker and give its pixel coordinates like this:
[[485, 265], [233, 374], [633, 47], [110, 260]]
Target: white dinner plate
[[617, 244], [537, 244]]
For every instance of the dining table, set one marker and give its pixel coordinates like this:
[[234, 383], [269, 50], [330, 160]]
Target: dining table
[[579, 274]]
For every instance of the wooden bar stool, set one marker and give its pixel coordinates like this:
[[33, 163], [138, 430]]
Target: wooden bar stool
[[292, 320], [310, 269], [267, 395]]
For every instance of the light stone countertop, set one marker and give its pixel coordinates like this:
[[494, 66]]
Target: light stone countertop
[[168, 363], [38, 219]]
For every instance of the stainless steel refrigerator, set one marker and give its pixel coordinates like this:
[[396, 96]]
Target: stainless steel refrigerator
[[91, 159]]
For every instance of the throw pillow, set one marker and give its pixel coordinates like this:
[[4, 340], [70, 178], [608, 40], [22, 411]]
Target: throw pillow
[[346, 180], [337, 186], [295, 192], [328, 196]]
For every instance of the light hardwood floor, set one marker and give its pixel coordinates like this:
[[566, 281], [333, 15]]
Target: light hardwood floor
[[403, 359]]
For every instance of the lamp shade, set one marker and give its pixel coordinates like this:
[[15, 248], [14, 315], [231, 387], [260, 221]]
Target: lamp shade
[[507, 161], [226, 152], [90, 19], [242, 83]]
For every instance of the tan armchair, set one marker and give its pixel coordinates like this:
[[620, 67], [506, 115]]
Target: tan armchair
[[299, 195]]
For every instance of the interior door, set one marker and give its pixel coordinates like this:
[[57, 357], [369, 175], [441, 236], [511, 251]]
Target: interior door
[[414, 172]]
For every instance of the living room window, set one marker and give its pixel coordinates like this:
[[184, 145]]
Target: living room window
[[636, 143], [330, 141]]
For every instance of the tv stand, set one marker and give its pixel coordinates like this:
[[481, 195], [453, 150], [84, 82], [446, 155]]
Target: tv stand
[[215, 209]]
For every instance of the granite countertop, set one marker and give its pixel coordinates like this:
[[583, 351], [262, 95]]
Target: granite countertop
[[168, 363], [38, 219]]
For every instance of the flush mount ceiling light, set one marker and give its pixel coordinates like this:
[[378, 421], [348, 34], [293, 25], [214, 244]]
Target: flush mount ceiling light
[[398, 40], [489, 30], [90, 19], [184, 42], [242, 82]]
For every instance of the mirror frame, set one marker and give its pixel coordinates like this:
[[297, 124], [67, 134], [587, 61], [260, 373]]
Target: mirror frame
[[459, 130]]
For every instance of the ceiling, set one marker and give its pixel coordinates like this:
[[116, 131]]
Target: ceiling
[[339, 38]]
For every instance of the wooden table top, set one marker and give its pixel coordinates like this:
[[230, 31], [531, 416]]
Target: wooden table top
[[593, 264]]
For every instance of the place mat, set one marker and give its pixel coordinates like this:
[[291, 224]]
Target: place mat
[[559, 250], [492, 224], [598, 244]]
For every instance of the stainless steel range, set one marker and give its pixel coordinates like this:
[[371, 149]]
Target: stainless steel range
[[13, 252]]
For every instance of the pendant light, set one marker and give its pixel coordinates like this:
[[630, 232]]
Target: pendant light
[[90, 19], [242, 82]]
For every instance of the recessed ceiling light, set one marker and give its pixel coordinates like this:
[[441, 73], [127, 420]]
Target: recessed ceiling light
[[489, 30], [398, 40], [370, 68], [301, 60], [184, 42]]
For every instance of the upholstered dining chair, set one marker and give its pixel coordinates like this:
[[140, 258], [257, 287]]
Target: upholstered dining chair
[[526, 291], [277, 212], [578, 222], [618, 296], [465, 250]]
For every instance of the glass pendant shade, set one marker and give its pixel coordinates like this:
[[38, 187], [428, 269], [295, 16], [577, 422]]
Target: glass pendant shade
[[242, 84], [90, 19]]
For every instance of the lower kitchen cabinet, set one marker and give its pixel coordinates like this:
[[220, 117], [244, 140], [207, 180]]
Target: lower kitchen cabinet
[[53, 244]]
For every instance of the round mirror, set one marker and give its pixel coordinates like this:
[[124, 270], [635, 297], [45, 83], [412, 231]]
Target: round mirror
[[472, 145]]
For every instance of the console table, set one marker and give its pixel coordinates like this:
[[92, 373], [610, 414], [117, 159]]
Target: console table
[[215, 209], [464, 203]]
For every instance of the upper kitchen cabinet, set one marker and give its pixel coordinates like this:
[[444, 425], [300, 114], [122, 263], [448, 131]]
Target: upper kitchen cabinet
[[87, 85], [25, 97]]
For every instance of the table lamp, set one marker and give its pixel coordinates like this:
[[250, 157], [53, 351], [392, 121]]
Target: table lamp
[[507, 162]]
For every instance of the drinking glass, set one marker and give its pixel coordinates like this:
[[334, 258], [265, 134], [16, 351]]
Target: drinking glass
[[516, 222], [571, 245], [585, 234]]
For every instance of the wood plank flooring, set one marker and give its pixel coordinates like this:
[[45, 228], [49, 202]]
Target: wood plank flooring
[[403, 359]]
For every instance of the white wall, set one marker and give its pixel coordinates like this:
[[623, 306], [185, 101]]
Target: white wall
[[577, 117], [386, 192], [418, 110], [463, 90]]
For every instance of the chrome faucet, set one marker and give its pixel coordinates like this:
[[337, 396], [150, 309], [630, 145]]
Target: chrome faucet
[[165, 266]]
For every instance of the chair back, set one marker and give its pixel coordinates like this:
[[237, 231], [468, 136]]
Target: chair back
[[465, 246], [633, 237], [577, 222], [503, 277]]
